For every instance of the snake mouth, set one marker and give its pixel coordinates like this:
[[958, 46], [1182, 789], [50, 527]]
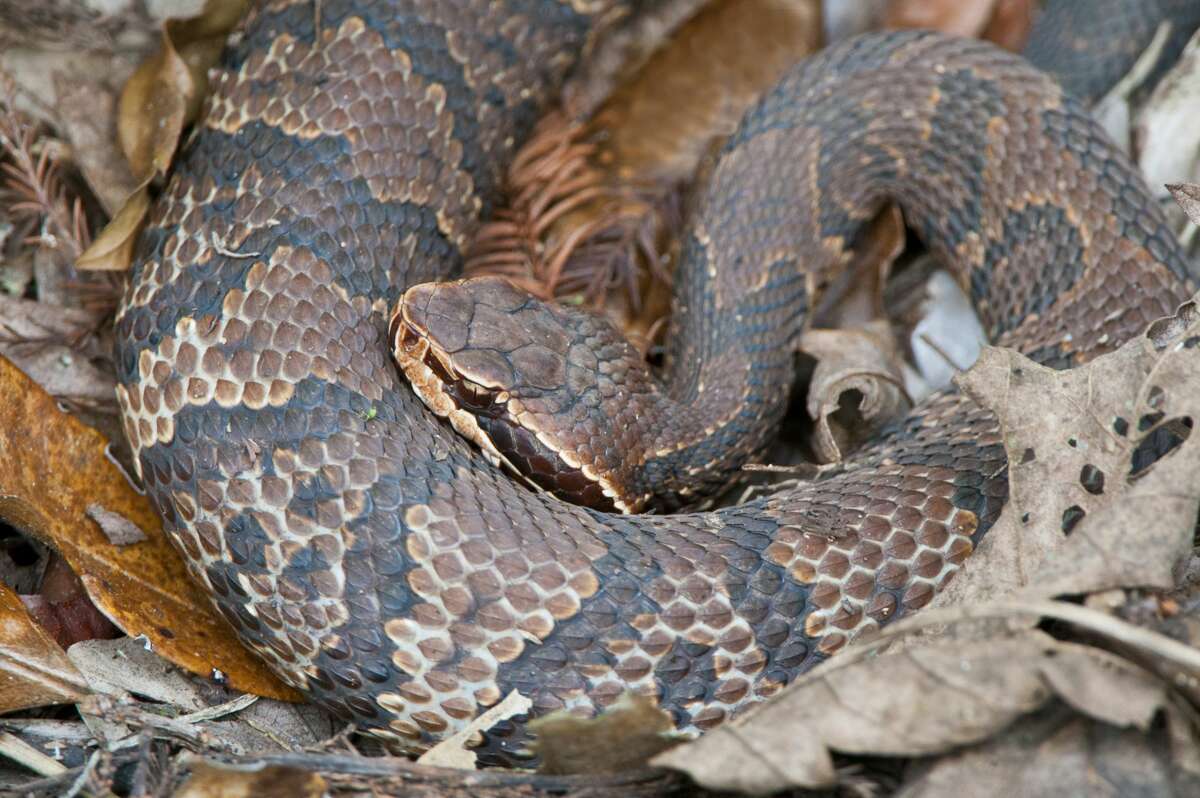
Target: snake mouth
[[448, 394]]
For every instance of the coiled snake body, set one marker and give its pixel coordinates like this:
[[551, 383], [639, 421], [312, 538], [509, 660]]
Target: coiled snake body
[[376, 561]]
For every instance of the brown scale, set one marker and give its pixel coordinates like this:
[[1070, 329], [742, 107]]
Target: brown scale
[[380, 563]]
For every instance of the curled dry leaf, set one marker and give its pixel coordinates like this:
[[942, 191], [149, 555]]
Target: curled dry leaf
[[152, 111], [55, 467], [917, 702], [34, 670], [112, 250], [857, 386], [624, 737], [1087, 510], [158, 101]]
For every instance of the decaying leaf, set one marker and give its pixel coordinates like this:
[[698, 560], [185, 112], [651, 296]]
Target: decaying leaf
[[623, 737], [912, 703], [856, 388], [1168, 138], [153, 109], [1005, 22], [214, 781], [119, 529], [37, 337], [1188, 197], [959, 17], [55, 467], [34, 670], [1057, 752], [158, 101], [112, 249], [453, 752], [1085, 512]]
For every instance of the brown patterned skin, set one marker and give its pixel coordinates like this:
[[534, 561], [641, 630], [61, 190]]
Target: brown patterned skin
[[377, 561]]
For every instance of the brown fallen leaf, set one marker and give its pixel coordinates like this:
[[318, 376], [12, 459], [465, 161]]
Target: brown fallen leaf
[[916, 702], [153, 110], [55, 346], [112, 249], [55, 467], [623, 737], [210, 780], [1010, 23], [1005, 22], [34, 670], [1057, 752], [1188, 197], [160, 99], [857, 386], [1084, 513], [958, 17]]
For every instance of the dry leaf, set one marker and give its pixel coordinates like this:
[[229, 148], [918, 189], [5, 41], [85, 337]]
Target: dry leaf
[[453, 753], [152, 110], [1058, 753], [948, 337], [158, 101], [623, 737], [1010, 24], [34, 670], [1074, 440], [912, 703], [37, 338], [112, 249], [857, 387], [55, 467], [88, 112], [1167, 136], [695, 88], [957, 17], [1188, 197], [119, 529], [214, 781]]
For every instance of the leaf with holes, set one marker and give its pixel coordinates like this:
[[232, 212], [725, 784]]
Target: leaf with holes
[[917, 702], [1103, 491], [55, 468]]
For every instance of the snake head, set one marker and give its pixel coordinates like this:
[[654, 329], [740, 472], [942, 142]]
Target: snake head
[[555, 394]]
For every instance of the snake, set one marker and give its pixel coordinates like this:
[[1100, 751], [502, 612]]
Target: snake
[[379, 562]]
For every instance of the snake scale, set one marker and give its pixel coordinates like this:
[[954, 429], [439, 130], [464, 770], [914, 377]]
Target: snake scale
[[380, 564]]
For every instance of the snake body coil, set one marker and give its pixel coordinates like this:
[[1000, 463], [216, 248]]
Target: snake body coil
[[379, 563]]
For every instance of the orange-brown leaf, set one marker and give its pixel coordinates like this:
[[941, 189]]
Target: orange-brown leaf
[[55, 468], [959, 17], [34, 670]]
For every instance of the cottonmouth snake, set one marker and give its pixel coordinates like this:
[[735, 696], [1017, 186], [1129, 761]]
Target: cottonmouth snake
[[376, 561]]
